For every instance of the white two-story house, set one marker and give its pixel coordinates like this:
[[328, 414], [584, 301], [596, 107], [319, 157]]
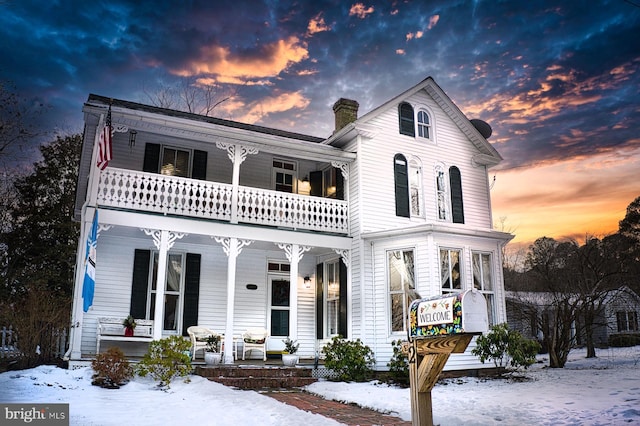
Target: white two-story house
[[210, 222]]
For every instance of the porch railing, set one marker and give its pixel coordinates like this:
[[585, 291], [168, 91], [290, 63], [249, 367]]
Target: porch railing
[[129, 189]]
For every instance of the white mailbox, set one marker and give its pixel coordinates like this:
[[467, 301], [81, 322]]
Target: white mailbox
[[448, 314]]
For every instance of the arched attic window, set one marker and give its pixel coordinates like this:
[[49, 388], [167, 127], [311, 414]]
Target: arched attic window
[[424, 124], [405, 113]]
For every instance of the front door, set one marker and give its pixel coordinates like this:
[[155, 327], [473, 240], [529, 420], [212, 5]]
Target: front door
[[279, 306]]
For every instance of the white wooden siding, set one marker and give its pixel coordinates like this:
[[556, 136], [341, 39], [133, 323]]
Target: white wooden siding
[[113, 289], [451, 148], [427, 273]]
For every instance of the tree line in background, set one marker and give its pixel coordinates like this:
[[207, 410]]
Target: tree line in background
[[564, 286]]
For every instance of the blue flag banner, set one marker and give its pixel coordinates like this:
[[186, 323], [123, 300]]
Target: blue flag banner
[[90, 265]]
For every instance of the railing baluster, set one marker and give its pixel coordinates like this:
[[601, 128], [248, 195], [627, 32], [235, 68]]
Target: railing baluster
[[128, 189]]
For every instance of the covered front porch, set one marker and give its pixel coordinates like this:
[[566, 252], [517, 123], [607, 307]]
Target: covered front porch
[[227, 277]]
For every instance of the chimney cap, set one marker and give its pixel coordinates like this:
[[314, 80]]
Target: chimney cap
[[344, 102]]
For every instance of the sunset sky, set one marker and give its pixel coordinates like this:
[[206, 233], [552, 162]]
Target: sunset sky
[[557, 81]]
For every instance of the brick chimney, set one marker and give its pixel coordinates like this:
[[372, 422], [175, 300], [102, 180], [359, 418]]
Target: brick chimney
[[346, 111]]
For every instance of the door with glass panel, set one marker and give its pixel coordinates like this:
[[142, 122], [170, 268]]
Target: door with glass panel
[[279, 306]]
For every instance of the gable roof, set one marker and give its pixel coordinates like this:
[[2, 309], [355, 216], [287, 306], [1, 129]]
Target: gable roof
[[488, 154]]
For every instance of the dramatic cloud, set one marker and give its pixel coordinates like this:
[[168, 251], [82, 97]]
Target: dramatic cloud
[[557, 81], [226, 67]]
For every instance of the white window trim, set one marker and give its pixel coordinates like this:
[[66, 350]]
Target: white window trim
[[482, 290], [190, 160], [152, 293], [293, 173], [325, 296], [388, 291], [461, 262], [440, 167], [432, 123], [413, 166]]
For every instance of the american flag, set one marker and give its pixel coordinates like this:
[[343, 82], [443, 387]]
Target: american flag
[[104, 144]]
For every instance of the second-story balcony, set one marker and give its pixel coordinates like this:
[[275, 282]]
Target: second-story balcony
[[151, 192]]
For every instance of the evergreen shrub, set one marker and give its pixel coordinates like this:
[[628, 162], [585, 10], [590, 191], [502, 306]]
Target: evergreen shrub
[[166, 359], [350, 360]]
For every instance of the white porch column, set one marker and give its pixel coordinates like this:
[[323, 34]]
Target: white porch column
[[232, 248], [78, 314], [163, 240], [294, 254], [237, 154]]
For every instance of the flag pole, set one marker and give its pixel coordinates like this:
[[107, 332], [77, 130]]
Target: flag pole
[[88, 210]]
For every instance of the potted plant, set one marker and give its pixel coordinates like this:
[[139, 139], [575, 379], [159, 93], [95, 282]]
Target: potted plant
[[212, 355], [289, 358], [129, 324]]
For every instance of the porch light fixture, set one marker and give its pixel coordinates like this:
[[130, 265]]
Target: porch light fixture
[[132, 138], [307, 282]]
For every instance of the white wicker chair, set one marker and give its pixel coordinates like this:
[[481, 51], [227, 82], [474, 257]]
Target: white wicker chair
[[198, 337], [255, 338]]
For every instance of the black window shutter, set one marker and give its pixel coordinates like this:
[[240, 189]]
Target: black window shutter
[[319, 301], [339, 184], [342, 319], [457, 207], [199, 169], [401, 180], [407, 126], [140, 283], [151, 162], [191, 292], [315, 181]]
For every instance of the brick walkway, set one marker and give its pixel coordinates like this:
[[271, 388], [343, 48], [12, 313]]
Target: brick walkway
[[343, 413]]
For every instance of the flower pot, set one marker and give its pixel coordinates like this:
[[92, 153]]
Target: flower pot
[[212, 358], [289, 360], [128, 331]]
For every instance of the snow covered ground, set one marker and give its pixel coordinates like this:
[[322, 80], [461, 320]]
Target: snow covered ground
[[602, 391]]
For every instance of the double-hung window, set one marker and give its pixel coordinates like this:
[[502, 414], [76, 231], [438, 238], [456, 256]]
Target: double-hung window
[[175, 162], [332, 301], [415, 187], [449, 194], [483, 280], [627, 320], [402, 286], [424, 125], [173, 292], [450, 279]]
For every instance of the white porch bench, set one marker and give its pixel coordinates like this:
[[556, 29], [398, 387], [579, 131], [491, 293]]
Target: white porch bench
[[112, 329]]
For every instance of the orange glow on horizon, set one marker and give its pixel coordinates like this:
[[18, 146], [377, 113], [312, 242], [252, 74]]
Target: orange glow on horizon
[[568, 199]]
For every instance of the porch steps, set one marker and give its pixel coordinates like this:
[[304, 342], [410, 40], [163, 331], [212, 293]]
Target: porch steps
[[258, 378]]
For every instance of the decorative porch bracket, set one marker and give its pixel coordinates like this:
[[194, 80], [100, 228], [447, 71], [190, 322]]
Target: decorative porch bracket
[[427, 358], [237, 153], [343, 169]]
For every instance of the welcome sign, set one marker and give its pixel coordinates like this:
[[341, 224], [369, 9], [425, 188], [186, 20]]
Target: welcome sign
[[448, 314], [434, 312]]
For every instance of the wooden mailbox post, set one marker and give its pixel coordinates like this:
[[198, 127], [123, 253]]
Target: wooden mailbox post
[[439, 326]]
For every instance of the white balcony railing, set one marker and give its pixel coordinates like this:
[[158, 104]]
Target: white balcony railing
[[128, 189]]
